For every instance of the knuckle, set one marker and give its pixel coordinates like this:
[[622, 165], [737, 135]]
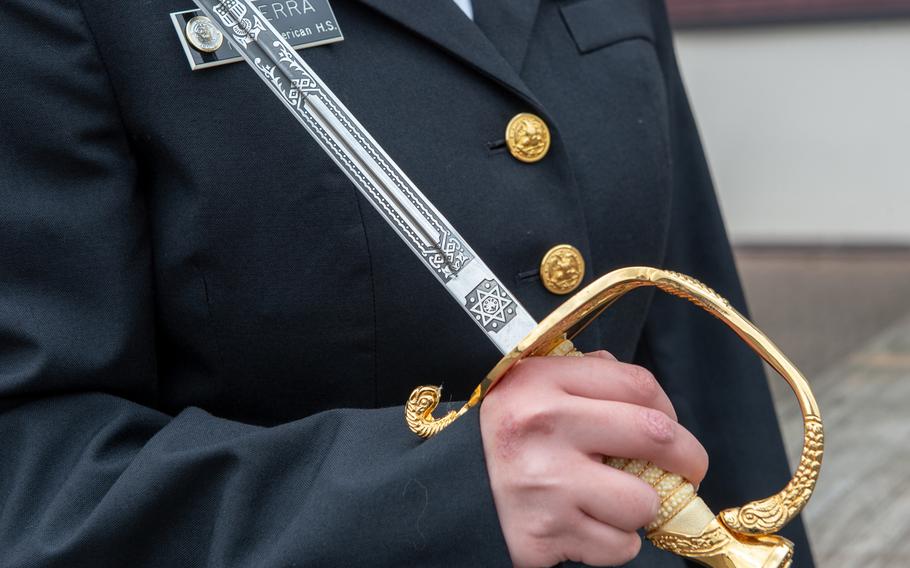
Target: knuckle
[[602, 354], [538, 418], [644, 382], [656, 425], [543, 525]]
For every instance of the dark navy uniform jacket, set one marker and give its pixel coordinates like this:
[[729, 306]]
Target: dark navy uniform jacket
[[206, 334]]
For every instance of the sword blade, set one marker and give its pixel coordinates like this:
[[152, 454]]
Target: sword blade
[[420, 225]]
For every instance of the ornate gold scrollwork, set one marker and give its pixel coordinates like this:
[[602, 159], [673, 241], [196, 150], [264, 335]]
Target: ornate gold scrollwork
[[739, 537], [419, 412]]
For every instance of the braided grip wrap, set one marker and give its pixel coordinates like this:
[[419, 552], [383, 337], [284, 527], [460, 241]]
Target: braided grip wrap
[[740, 537]]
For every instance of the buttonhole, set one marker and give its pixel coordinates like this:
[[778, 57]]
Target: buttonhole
[[496, 146], [527, 275]]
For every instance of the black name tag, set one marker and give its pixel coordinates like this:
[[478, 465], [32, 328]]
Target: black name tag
[[303, 23]]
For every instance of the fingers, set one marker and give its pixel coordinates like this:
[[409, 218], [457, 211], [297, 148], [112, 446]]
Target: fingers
[[597, 544], [600, 376], [622, 382], [544, 431], [614, 497], [625, 430]]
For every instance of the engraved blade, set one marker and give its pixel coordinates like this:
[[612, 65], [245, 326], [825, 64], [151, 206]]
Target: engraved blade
[[420, 225]]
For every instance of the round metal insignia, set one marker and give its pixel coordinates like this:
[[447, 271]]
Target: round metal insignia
[[203, 35], [527, 137], [562, 269]]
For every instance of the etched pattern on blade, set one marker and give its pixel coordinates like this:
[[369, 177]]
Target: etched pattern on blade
[[383, 183], [233, 14], [491, 305]]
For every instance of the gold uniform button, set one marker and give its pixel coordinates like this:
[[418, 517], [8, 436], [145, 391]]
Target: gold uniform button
[[203, 35], [562, 269], [527, 137]]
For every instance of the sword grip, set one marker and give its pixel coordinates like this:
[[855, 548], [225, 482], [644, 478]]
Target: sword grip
[[740, 537], [684, 524]]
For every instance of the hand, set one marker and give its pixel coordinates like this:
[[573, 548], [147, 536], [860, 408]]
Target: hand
[[545, 429]]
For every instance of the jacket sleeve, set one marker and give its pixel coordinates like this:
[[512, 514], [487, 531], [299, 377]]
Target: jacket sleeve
[[716, 382], [91, 473]]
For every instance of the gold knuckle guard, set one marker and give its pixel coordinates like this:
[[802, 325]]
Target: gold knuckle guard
[[736, 538]]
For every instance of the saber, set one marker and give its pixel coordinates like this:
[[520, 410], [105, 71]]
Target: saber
[[740, 537]]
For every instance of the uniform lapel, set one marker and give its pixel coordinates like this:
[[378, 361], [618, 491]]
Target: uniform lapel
[[508, 24], [444, 24]]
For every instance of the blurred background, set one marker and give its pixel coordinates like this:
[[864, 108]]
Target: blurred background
[[804, 109]]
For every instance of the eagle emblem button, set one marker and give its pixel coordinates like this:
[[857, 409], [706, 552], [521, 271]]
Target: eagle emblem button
[[203, 35], [527, 137], [562, 269]]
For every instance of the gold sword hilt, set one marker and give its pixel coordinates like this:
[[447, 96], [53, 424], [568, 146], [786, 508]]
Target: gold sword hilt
[[741, 537]]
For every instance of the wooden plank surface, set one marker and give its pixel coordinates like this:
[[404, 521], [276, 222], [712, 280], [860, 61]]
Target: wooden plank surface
[[860, 514], [844, 317]]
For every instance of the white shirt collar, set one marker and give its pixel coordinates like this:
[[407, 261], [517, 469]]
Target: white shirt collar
[[466, 7]]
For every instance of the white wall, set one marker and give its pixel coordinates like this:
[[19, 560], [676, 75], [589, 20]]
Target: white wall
[[807, 129]]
